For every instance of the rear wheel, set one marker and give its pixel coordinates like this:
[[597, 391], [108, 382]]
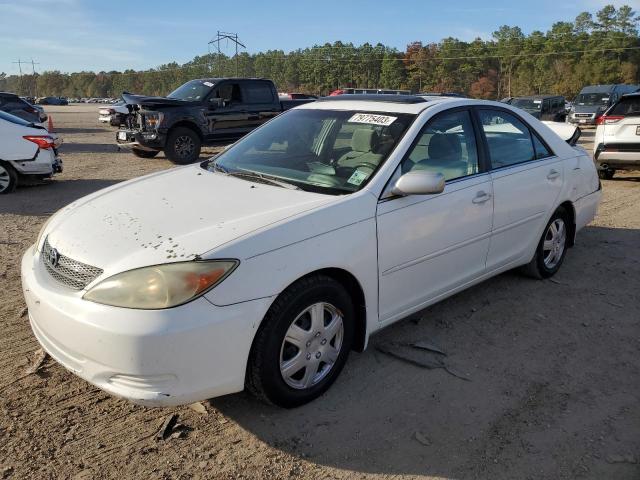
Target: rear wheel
[[302, 344], [552, 247], [145, 153], [183, 146], [8, 178], [606, 173]]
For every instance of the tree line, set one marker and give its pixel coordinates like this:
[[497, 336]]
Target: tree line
[[592, 49]]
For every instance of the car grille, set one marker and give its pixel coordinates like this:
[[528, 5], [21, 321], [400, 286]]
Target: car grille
[[66, 271], [583, 115]]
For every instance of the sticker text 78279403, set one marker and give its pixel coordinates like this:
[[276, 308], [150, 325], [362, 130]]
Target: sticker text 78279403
[[373, 119]]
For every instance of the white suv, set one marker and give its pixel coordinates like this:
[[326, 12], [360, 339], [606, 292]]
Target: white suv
[[26, 150], [617, 141]]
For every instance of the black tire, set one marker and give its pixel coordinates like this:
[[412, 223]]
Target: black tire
[[264, 378], [538, 267], [8, 178], [183, 146], [145, 153], [606, 174]]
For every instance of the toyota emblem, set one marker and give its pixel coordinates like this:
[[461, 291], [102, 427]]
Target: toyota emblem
[[53, 257]]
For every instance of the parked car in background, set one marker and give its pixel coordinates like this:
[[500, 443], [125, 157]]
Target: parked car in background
[[617, 141], [265, 266], [368, 91], [542, 107], [53, 101], [115, 115], [593, 100], [441, 94], [200, 112], [296, 96], [13, 104], [27, 151]]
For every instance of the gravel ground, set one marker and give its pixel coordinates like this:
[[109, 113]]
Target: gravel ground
[[553, 366]]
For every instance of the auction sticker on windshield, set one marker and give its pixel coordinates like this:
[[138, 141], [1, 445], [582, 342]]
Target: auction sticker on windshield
[[373, 119]]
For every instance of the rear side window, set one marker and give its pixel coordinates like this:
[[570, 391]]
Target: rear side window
[[508, 138], [258, 92], [627, 107], [541, 150]]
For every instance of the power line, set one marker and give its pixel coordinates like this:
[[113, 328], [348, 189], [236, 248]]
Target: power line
[[227, 36]]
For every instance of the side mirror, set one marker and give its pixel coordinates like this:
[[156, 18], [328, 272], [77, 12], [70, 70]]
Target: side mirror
[[419, 182]]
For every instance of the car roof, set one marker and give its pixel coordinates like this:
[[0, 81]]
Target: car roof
[[538, 96], [8, 94]]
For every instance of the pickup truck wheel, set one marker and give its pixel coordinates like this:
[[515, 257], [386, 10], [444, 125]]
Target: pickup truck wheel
[[183, 146], [552, 247], [302, 344], [8, 178], [145, 153]]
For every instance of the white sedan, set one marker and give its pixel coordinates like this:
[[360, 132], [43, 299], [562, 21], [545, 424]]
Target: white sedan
[[264, 266], [27, 150]]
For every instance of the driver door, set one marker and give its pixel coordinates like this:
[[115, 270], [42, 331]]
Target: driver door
[[227, 115], [429, 245]]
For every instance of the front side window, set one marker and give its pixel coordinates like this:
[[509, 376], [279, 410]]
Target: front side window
[[508, 139], [446, 145], [326, 151]]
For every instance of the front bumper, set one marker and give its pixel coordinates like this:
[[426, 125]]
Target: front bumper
[[582, 119], [151, 357], [141, 140]]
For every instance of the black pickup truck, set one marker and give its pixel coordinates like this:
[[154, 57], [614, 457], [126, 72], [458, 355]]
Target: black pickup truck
[[206, 111]]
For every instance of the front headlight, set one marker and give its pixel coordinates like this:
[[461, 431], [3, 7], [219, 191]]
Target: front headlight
[[153, 120], [161, 286]]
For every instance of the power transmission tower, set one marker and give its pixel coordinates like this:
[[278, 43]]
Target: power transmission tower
[[20, 62], [34, 80], [227, 36]]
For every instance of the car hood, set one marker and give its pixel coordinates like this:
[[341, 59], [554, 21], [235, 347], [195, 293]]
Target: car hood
[[171, 216], [131, 99]]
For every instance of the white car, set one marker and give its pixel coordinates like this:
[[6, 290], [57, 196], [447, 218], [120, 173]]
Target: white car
[[265, 266], [617, 141], [113, 114], [27, 150]]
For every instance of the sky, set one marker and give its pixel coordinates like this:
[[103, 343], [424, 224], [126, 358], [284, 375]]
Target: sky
[[76, 35]]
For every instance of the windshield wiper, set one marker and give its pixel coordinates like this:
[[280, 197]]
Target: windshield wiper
[[259, 176]]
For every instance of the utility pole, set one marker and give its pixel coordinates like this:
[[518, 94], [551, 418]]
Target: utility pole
[[227, 36], [20, 62], [34, 82]]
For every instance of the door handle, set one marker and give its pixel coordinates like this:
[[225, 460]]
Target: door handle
[[553, 174], [481, 197]]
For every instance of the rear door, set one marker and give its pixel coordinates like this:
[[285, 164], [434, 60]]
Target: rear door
[[527, 179], [261, 102]]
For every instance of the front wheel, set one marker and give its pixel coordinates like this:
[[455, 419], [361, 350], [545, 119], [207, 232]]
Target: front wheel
[[183, 146], [552, 247], [302, 344], [144, 153], [8, 178]]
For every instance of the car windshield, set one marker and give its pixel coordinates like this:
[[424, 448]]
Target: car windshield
[[527, 103], [326, 151], [593, 98], [192, 91]]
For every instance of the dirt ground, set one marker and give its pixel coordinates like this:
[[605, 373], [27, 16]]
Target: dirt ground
[[553, 366]]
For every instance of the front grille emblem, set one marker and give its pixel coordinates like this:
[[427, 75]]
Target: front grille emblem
[[53, 258]]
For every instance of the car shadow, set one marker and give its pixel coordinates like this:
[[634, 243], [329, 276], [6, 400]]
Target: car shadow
[[82, 130], [88, 147], [543, 366], [49, 196]]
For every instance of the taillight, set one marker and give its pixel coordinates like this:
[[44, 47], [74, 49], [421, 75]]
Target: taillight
[[608, 119], [43, 141]]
